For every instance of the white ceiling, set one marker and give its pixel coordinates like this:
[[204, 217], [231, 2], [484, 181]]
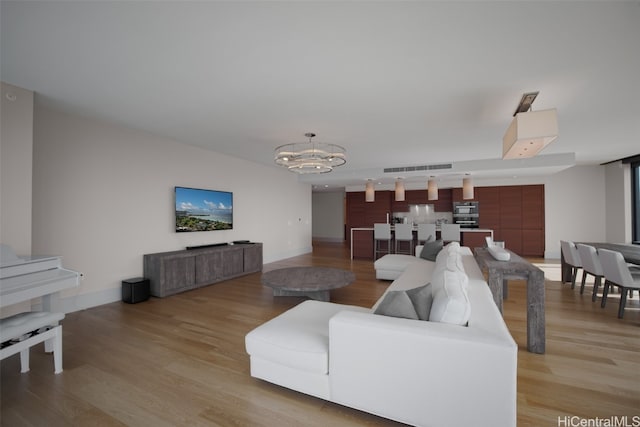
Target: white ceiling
[[396, 83]]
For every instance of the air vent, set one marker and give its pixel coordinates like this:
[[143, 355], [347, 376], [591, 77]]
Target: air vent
[[419, 168]]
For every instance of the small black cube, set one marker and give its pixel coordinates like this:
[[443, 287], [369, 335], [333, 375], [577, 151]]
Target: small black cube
[[135, 290]]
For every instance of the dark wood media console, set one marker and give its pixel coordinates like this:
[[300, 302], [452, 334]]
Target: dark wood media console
[[179, 271]]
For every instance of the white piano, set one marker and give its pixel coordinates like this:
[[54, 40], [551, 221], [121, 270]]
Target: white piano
[[28, 277]]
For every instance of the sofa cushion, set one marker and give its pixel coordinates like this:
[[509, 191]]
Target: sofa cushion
[[412, 303], [451, 302], [431, 250], [451, 248], [422, 298], [397, 304], [299, 337], [391, 266]]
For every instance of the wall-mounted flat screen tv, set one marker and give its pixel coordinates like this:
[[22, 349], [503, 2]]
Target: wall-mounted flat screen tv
[[203, 210]]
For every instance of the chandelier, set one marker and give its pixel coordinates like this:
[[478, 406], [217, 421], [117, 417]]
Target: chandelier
[[310, 157]]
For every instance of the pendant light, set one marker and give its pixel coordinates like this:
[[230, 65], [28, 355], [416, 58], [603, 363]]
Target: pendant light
[[467, 188], [370, 192], [432, 189], [399, 190]]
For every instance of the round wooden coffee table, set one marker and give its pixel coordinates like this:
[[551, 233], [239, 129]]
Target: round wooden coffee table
[[311, 282]]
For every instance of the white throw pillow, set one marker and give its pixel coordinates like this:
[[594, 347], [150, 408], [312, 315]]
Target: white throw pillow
[[453, 262], [451, 302]]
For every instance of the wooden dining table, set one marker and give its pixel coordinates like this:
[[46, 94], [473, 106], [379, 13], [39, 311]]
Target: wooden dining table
[[630, 253]]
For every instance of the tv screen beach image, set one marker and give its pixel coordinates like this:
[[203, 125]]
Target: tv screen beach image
[[203, 210]]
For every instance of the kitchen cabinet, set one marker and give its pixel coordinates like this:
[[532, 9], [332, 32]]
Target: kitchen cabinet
[[515, 213]]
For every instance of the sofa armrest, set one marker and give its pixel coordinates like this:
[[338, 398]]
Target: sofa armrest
[[422, 373]]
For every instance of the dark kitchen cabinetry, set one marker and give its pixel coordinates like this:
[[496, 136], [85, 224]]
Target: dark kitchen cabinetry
[[515, 213]]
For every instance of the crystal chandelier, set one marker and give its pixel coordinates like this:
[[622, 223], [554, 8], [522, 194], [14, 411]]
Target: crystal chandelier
[[310, 157]]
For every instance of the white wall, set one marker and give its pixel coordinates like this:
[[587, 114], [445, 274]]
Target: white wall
[[328, 216], [103, 197], [16, 152], [575, 207], [16, 148], [618, 202]]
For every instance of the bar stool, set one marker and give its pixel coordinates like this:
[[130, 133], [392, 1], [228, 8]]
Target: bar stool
[[450, 232], [404, 233], [381, 232], [426, 232]]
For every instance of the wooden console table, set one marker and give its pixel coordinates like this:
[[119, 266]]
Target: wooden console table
[[179, 271], [500, 272]]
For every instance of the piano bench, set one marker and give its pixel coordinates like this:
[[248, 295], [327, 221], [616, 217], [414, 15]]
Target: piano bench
[[22, 331]]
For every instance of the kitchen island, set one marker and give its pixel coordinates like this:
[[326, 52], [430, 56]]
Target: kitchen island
[[362, 239]]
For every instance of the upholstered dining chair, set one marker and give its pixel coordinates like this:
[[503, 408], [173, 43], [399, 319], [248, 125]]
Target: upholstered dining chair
[[381, 232], [590, 265], [426, 232], [617, 273], [572, 258], [404, 233], [450, 232]]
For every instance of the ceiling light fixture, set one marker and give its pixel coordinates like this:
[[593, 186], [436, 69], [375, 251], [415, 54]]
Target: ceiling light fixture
[[529, 131], [310, 157], [399, 190], [467, 188], [370, 192], [432, 189]]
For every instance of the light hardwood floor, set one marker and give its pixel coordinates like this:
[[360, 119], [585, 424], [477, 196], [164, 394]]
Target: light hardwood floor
[[181, 360]]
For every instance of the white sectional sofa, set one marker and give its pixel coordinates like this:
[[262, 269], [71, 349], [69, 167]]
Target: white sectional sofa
[[423, 373]]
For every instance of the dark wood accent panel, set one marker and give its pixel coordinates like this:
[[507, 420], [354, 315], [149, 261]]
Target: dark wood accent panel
[[416, 197], [474, 240], [356, 210], [532, 242], [512, 239], [533, 220], [363, 244], [456, 195], [488, 207], [511, 208], [361, 213], [533, 207], [444, 202]]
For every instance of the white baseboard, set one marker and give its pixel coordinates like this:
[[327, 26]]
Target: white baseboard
[[74, 303], [329, 239], [84, 301], [289, 254]]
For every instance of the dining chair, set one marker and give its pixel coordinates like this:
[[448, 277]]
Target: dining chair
[[426, 232], [572, 258], [381, 232], [590, 265], [404, 233], [450, 232], [617, 273]]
